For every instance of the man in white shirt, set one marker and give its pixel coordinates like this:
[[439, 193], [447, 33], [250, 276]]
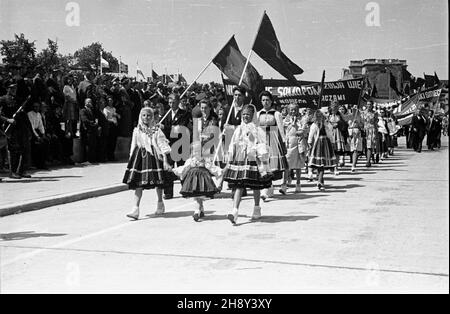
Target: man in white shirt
[[39, 142]]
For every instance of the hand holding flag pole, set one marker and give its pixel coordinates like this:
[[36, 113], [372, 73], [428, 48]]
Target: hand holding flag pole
[[239, 84]]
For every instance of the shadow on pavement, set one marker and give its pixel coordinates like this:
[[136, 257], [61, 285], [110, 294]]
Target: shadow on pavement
[[294, 196], [344, 178], [265, 219], [27, 234], [38, 179], [276, 219], [169, 214], [347, 186]]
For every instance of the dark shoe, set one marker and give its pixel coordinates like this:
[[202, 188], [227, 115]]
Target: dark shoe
[[368, 164], [24, 175], [321, 187], [202, 214], [231, 218], [244, 193], [196, 217], [168, 197]]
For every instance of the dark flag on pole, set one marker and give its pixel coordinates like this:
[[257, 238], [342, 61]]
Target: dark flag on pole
[[416, 83], [406, 76], [406, 90], [436, 79], [393, 84], [374, 92], [429, 80], [267, 46], [231, 62], [155, 76]]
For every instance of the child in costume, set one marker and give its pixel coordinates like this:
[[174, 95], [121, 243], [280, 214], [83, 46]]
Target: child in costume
[[248, 162], [147, 166], [196, 179], [321, 139], [296, 130]]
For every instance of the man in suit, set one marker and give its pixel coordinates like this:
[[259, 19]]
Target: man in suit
[[136, 102], [86, 89], [89, 131], [433, 131], [19, 133], [174, 123], [419, 127], [238, 99]]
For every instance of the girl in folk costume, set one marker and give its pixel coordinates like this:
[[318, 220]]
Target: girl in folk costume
[[147, 167], [296, 130], [340, 132], [393, 128], [320, 140], [355, 126], [196, 178], [197, 172], [271, 121], [370, 120], [248, 162], [383, 135]]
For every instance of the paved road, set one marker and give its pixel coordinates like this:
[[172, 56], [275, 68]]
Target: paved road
[[383, 229]]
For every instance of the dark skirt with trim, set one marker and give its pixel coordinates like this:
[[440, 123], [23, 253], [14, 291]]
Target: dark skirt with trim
[[277, 152], [198, 182], [144, 170], [322, 154], [245, 174]]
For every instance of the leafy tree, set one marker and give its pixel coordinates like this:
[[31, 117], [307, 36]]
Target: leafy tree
[[49, 59], [18, 53], [89, 58]]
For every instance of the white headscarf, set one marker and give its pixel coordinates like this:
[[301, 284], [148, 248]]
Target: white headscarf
[[255, 114], [142, 127]]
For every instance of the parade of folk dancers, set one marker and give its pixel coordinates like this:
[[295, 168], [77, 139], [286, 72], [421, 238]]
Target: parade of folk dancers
[[251, 151]]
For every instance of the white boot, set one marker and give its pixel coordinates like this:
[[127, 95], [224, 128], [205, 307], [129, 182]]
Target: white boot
[[134, 214], [256, 212], [160, 208]]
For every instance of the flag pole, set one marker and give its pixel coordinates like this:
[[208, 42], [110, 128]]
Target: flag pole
[[240, 82], [389, 83], [101, 56], [362, 91], [186, 90], [321, 90]]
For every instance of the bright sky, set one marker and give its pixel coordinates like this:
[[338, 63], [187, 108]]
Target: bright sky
[[185, 34]]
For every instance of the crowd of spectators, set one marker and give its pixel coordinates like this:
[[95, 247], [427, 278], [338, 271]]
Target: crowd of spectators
[[96, 110]]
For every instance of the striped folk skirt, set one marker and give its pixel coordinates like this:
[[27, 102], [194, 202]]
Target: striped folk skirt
[[241, 172], [198, 182], [322, 154], [144, 170], [372, 139], [340, 145], [277, 152], [356, 142]]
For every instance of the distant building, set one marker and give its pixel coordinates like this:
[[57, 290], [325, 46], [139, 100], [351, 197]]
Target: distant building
[[377, 71]]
